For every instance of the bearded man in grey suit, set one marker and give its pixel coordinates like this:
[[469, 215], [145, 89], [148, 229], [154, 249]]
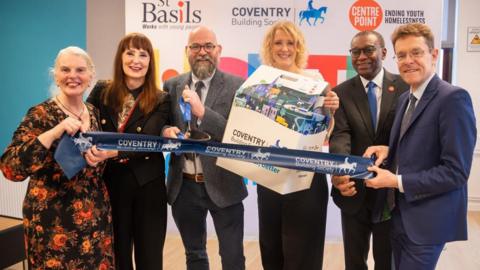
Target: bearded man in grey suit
[[365, 118], [195, 184]]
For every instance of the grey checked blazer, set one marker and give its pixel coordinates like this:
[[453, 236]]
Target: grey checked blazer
[[224, 187]]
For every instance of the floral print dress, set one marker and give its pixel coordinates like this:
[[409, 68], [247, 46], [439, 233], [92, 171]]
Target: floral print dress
[[68, 223]]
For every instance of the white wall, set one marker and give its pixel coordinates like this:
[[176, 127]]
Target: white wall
[[466, 71]]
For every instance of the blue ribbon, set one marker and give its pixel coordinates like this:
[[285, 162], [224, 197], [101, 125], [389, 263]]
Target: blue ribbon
[[69, 155], [186, 110], [319, 162]]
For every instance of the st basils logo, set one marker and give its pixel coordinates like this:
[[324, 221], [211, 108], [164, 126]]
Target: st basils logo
[[166, 11]]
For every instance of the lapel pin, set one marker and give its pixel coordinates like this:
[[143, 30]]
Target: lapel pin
[[391, 88]]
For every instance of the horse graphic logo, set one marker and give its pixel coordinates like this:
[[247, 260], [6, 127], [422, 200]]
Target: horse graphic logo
[[170, 146], [347, 167], [277, 144], [260, 156], [83, 143], [312, 12]]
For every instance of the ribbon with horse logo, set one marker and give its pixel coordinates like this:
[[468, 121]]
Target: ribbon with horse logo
[[319, 162]]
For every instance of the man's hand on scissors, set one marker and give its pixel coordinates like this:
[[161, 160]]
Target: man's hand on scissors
[[196, 104]]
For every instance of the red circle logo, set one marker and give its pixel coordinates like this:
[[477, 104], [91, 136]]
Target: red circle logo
[[365, 15]]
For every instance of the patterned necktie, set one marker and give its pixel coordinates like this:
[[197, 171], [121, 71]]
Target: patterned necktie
[[372, 102], [408, 114]]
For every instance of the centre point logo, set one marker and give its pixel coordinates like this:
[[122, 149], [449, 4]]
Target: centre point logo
[[365, 15]]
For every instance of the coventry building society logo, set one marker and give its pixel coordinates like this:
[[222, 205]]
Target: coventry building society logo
[[312, 13], [258, 16], [170, 146], [347, 167], [83, 143], [259, 155]]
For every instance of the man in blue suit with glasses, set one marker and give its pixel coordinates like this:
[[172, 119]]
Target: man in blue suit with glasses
[[430, 150]]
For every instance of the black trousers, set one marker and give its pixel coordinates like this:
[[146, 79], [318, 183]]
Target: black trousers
[[292, 227], [357, 230], [139, 220], [190, 213]]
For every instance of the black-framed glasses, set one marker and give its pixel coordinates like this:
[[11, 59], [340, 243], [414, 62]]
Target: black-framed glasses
[[368, 51], [414, 54], [208, 47]]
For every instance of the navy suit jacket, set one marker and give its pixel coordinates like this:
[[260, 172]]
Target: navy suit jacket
[[434, 157]]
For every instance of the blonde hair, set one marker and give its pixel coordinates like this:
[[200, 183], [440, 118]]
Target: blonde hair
[[298, 38]]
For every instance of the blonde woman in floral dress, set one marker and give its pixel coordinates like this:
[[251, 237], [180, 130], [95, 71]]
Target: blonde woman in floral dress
[[67, 222]]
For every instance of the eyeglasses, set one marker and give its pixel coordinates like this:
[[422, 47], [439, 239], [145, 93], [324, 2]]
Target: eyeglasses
[[414, 54], [208, 47], [368, 51]]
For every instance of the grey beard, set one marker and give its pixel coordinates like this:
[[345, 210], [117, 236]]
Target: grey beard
[[203, 71]]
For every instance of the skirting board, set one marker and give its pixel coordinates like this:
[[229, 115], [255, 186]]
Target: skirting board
[[473, 204]]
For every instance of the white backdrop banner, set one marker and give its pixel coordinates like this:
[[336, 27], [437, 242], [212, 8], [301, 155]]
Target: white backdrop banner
[[328, 26]]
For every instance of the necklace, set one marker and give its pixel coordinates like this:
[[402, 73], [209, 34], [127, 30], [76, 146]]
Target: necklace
[[78, 116]]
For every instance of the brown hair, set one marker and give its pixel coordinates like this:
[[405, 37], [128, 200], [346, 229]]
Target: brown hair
[[297, 35], [117, 90], [414, 29]]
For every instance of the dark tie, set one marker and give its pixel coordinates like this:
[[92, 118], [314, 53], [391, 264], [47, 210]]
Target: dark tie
[[198, 89], [408, 114], [405, 121], [372, 102], [390, 199], [385, 213]]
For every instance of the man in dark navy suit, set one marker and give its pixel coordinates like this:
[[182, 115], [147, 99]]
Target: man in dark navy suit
[[430, 149]]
